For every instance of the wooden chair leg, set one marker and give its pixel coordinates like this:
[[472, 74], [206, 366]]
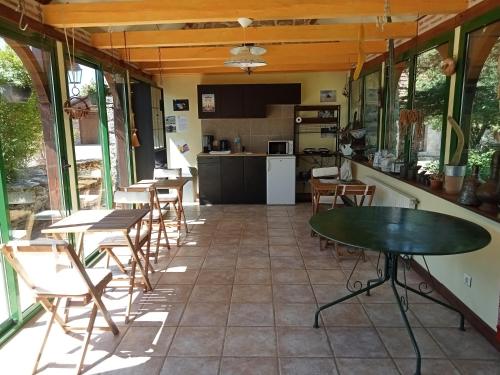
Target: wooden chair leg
[[130, 291], [117, 260], [86, 339], [53, 309]]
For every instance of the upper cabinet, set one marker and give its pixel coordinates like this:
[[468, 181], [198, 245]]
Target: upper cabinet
[[244, 101]]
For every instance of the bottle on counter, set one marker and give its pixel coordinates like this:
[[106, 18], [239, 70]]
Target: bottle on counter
[[237, 144]]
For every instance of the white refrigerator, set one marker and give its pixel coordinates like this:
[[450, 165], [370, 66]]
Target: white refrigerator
[[281, 179]]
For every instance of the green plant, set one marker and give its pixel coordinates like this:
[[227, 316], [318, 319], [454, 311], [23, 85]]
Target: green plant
[[482, 159], [20, 123]]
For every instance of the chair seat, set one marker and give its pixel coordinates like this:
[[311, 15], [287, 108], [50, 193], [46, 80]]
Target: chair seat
[[119, 240], [156, 214], [168, 197], [68, 283]]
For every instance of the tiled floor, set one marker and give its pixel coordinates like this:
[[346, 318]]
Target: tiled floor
[[238, 297]]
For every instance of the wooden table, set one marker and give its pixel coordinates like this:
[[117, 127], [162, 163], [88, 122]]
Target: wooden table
[[176, 184], [400, 234], [84, 221], [319, 189]]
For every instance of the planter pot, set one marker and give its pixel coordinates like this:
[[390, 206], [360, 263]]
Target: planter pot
[[436, 184], [15, 94], [453, 178]]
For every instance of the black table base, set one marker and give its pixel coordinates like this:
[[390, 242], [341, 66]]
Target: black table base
[[390, 273]]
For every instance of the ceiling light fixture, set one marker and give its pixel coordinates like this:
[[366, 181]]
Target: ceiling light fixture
[[246, 56]]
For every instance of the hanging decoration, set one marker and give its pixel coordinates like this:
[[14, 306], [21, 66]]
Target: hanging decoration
[[135, 139], [21, 8], [76, 107], [447, 66]]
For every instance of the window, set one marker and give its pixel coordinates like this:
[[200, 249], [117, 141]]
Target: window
[[480, 106], [356, 99], [431, 97], [371, 109], [394, 140], [158, 130]]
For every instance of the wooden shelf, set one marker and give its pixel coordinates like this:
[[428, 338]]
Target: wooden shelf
[[318, 120], [316, 107]]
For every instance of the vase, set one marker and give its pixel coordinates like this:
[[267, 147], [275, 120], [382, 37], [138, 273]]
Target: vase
[[453, 178], [489, 192], [468, 193]]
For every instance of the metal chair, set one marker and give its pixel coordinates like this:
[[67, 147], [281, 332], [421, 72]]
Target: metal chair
[[52, 270]]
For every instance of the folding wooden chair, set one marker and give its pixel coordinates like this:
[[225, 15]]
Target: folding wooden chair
[[356, 196], [127, 198], [52, 270], [171, 198]]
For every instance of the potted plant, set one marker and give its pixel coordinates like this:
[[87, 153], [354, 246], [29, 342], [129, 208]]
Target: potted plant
[[454, 171], [435, 175]]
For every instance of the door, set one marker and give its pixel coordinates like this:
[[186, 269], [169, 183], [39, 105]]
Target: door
[[255, 179], [281, 180], [232, 188]]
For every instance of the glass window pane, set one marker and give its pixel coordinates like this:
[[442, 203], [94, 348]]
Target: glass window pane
[[28, 143], [158, 131], [87, 141], [356, 99], [480, 106], [431, 99], [371, 106], [394, 140]]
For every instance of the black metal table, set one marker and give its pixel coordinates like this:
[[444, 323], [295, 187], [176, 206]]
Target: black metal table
[[400, 234]]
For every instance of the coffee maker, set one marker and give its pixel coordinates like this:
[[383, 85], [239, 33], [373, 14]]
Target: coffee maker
[[208, 141]]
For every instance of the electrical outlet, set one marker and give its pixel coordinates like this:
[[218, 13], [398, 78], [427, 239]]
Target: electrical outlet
[[468, 280]]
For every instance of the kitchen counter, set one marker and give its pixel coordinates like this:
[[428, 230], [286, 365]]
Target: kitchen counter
[[205, 154]]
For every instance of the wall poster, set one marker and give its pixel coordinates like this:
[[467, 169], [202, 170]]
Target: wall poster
[[208, 102]]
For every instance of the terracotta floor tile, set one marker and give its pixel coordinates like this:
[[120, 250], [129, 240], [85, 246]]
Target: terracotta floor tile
[[187, 263], [254, 250], [357, 342], [307, 366], [123, 365], [146, 341], [397, 342], [345, 315], [472, 344], [293, 293], [197, 341], [287, 262], [303, 342], [186, 277], [219, 262], [295, 314], [326, 293], [222, 250], [321, 263], [477, 367], [366, 366], [158, 314], [249, 366], [284, 250], [326, 276], [286, 276], [388, 315], [190, 366], [205, 314], [434, 315], [429, 366], [250, 342], [192, 251], [251, 314], [252, 294], [252, 276], [215, 277], [252, 262], [166, 293], [211, 293]]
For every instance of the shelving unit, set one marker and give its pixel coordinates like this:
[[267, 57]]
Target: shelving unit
[[315, 119]]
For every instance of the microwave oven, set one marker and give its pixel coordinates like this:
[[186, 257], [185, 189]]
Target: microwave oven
[[280, 147]]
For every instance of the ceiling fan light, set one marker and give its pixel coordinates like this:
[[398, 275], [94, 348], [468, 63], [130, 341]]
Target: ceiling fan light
[[244, 63], [245, 22]]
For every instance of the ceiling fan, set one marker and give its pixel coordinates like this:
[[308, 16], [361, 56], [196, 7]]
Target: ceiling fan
[[246, 56]]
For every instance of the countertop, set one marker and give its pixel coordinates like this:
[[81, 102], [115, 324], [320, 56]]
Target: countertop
[[205, 154]]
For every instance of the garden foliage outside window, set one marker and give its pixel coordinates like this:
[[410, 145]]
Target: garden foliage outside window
[[481, 95], [371, 105], [394, 140]]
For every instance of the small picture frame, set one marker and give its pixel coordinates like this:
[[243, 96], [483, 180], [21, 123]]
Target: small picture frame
[[208, 102], [181, 104], [326, 96]]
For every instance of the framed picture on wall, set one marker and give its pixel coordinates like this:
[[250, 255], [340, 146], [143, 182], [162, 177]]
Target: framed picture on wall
[[208, 102], [181, 104], [326, 96]]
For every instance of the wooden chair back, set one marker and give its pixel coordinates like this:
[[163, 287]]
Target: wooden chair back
[[325, 172], [48, 267], [361, 192]]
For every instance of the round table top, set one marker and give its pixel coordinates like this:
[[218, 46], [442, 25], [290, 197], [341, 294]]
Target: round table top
[[400, 230]]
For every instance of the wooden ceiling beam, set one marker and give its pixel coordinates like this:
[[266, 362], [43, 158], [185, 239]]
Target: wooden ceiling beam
[[229, 36], [337, 51], [99, 14], [287, 68]]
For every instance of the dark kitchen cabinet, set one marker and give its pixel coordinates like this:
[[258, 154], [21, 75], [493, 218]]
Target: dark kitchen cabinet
[[232, 186], [255, 179], [247, 101], [209, 176], [232, 179]]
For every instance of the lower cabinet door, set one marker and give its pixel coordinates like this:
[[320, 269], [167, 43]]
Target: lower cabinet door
[[255, 179], [209, 180], [232, 185]]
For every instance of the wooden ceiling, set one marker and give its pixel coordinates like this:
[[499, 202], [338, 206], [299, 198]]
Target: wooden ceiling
[[328, 35]]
